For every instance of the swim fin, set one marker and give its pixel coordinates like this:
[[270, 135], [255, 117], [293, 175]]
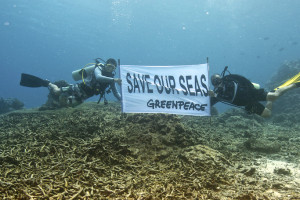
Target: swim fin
[[294, 79], [33, 81]]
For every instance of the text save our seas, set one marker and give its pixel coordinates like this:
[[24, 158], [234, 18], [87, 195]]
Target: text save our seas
[[188, 86]]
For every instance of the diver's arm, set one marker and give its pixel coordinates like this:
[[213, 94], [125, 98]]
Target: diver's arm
[[101, 78], [115, 91], [213, 97]]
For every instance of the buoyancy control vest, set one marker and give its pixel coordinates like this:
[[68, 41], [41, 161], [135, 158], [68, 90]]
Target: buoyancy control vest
[[95, 87], [235, 89]]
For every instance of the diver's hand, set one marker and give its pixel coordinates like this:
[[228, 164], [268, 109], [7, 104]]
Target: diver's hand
[[211, 93], [118, 80]]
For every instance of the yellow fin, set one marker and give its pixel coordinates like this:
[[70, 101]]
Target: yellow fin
[[292, 80]]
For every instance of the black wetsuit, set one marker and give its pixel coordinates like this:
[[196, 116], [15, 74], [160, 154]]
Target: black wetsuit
[[237, 90]]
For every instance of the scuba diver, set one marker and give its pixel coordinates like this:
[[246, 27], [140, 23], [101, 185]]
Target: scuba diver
[[238, 91], [97, 79]]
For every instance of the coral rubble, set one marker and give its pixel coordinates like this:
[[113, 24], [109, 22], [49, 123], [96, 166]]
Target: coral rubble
[[96, 152], [10, 104]]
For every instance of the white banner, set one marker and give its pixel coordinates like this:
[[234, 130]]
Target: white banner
[[179, 89]]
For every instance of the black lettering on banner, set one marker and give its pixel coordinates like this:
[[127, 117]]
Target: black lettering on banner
[[189, 86], [173, 84], [192, 106], [202, 107], [128, 77], [181, 105], [197, 87], [157, 105], [168, 104], [142, 82], [147, 77], [174, 105], [161, 89], [186, 105], [163, 104], [203, 78], [150, 104], [167, 88], [181, 82], [136, 83]]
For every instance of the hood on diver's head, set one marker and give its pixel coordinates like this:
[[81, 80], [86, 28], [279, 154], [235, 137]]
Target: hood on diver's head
[[112, 62], [216, 79]]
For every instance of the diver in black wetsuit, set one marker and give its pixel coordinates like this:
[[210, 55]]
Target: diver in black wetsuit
[[239, 91]]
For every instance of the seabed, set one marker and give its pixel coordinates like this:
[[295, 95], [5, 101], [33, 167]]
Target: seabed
[[96, 152]]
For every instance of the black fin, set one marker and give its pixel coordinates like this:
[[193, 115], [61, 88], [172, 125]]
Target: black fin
[[33, 81]]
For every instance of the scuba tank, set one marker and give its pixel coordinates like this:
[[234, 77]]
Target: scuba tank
[[256, 85], [79, 74]]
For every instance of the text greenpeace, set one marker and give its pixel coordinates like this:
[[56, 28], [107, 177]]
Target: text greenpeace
[[179, 89]]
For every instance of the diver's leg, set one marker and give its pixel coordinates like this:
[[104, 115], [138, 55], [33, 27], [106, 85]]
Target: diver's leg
[[260, 109], [273, 95], [269, 105], [73, 94], [266, 113], [54, 88]]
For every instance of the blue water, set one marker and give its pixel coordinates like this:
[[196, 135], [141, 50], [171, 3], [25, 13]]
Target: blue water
[[51, 38]]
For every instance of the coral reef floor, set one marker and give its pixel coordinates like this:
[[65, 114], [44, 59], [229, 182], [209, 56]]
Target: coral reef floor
[[96, 152]]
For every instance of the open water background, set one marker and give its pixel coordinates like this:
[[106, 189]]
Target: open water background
[[50, 39]]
